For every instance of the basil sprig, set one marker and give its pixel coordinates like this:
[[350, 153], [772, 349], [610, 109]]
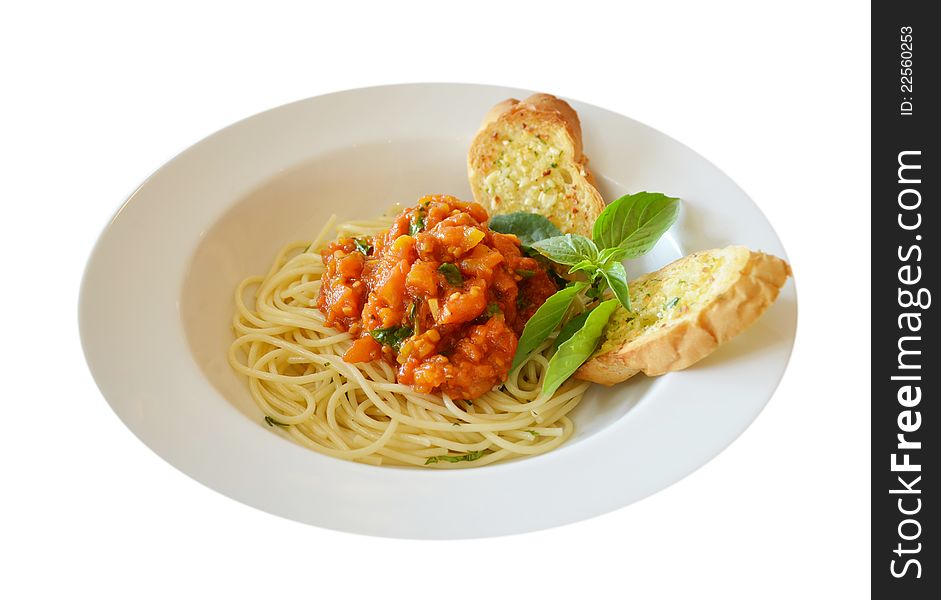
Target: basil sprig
[[629, 227]]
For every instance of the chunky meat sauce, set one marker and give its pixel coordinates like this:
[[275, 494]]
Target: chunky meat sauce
[[438, 294]]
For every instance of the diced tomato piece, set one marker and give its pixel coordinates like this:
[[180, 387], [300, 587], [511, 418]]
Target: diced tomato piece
[[422, 279], [464, 306], [364, 349]]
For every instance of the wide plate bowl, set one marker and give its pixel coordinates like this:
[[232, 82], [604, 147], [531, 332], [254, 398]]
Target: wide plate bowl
[[156, 307]]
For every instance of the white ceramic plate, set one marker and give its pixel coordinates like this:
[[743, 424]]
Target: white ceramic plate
[[156, 306]]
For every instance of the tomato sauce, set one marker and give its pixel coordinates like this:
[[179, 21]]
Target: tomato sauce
[[438, 294]]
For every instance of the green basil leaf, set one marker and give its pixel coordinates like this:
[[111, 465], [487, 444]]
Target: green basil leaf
[[569, 329], [413, 314], [616, 277], [392, 336], [589, 266], [635, 222], [525, 273], [492, 309], [418, 223], [362, 246], [544, 321], [576, 350], [451, 274], [528, 227], [610, 255], [568, 249], [451, 458]]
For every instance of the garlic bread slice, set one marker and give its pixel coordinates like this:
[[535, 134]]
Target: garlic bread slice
[[527, 157], [682, 312]]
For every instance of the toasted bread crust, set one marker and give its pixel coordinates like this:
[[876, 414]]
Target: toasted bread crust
[[496, 111], [547, 107], [693, 337], [537, 113]]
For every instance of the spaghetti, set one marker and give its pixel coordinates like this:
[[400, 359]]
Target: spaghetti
[[357, 411]]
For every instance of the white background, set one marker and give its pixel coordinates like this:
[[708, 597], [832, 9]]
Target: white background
[[98, 95]]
